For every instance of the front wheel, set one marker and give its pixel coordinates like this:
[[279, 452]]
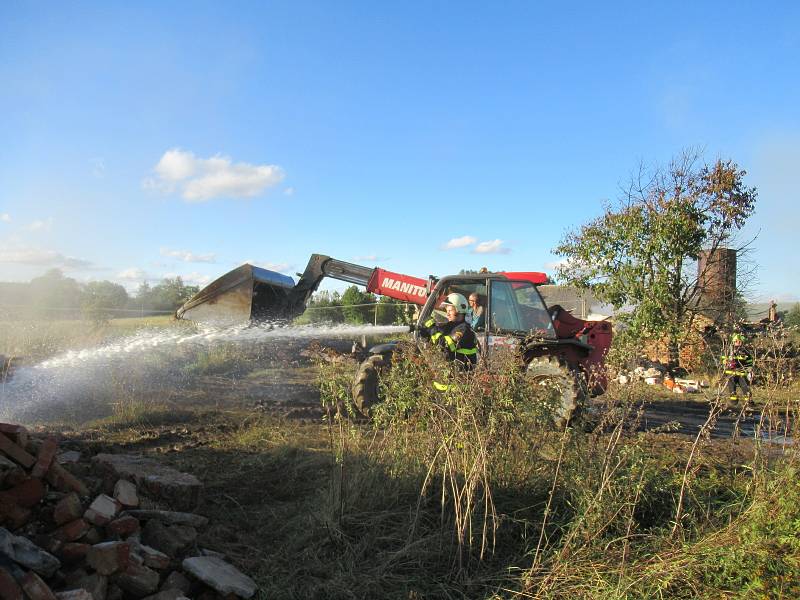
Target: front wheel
[[366, 392], [568, 387]]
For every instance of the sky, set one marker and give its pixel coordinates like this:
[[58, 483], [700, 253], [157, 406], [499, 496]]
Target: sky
[[146, 140]]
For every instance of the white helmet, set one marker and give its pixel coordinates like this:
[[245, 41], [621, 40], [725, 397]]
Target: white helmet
[[456, 300]]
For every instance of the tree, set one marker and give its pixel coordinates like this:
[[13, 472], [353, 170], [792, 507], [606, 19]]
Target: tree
[[641, 253], [54, 295], [102, 298], [325, 306], [792, 318], [351, 301], [168, 295]]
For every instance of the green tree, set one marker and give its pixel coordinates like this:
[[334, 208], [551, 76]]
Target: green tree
[[324, 306], [640, 253], [390, 311], [168, 295], [55, 296], [792, 318], [101, 299], [353, 300]]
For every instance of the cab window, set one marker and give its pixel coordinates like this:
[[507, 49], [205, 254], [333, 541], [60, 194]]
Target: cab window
[[517, 306]]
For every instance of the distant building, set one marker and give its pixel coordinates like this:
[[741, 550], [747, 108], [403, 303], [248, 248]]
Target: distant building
[[581, 303]]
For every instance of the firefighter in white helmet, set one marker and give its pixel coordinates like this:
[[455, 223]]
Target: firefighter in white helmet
[[455, 336]]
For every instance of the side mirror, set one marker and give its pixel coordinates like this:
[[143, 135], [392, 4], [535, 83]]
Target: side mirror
[[430, 284]]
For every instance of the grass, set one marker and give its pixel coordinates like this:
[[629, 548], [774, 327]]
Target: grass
[[467, 495], [35, 340]]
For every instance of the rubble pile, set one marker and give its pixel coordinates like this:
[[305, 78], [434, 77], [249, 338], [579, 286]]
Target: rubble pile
[[655, 373], [79, 528]]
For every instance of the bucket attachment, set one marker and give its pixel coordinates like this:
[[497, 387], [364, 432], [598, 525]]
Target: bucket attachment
[[245, 294], [251, 293]]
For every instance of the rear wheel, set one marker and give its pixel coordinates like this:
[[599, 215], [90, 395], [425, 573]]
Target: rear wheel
[[568, 387], [366, 391]]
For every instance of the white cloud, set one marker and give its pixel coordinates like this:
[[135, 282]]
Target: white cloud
[[5, 217], [493, 247], [556, 264], [460, 242], [133, 274], [40, 225], [187, 256], [289, 191], [41, 258], [201, 179]]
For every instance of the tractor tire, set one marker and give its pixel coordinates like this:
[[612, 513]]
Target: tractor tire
[[366, 385], [570, 387]]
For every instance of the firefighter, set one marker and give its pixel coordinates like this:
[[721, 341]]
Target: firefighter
[[738, 364], [455, 336]]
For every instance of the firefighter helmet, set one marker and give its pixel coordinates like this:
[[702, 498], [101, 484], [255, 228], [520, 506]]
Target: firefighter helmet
[[456, 300]]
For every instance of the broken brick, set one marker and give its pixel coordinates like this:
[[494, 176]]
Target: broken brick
[[17, 433], [93, 536], [125, 493], [109, 557], [153, 558], [71, 531], [46, 454], [123, 526], [73, 552], [15, 477], [138, 581], [68, 509], [26, 494], [16, 452], [35, 588], [102, 510], [63, 480], [9, 588], [15, 516], [177, 581]]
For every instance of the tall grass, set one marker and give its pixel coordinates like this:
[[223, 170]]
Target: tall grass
[[517, 509]]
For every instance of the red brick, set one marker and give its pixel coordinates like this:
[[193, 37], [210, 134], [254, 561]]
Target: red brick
[[109, 557], [35, 588], [73, 552], [17, 433], [93, 536], [15, 477], [63, 480], [15, 516], [71, 531], [46, 454], [68, 509], [123, 526], [102, 510], [16, 452], [9, 589], [28, 493]]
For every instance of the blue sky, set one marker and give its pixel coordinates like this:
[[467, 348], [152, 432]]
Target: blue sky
[[143, 140]]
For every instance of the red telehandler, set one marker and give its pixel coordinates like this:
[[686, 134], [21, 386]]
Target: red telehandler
[[556, 348]]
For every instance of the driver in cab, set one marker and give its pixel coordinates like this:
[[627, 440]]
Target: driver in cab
[[455, 336]]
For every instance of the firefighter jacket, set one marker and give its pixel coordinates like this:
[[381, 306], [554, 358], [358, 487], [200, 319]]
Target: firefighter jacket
[[457, 340], [738, 361]]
